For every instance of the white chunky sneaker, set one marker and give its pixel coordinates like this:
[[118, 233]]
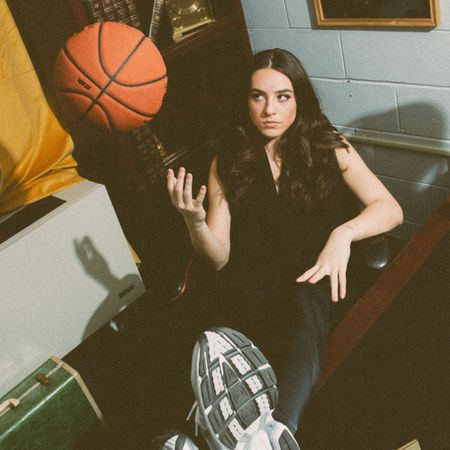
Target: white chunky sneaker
[[235, 390], [266, 433], [174, 440]]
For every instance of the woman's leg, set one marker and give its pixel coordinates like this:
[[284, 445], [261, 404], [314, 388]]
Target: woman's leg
[[300, 364], [291, 329]]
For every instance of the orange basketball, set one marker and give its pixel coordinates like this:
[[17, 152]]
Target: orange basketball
[[111, 75]]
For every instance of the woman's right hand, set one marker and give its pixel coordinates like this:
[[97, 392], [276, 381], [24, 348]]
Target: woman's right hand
[[180, 191]]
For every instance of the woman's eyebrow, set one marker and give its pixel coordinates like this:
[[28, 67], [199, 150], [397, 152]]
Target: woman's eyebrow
[[281, 91]]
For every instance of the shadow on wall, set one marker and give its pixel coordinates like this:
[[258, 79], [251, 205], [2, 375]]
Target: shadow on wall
[[312, 13], [96, 266], [420, 181], [419, 120]]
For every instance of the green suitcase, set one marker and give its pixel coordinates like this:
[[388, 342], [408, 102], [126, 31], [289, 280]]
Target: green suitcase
[[50, 409]]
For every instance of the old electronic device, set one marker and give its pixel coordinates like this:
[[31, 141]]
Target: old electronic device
[[62, 277], [187, 16]]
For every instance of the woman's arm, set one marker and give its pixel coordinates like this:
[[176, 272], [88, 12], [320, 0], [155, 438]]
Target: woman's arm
[[381, 213], [209, 233]]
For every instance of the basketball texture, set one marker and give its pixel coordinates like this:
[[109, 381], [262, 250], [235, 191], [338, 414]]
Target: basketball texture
[[111, 75]]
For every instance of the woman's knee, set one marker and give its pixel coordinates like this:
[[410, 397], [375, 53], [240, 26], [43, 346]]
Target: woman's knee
[[312, 313]]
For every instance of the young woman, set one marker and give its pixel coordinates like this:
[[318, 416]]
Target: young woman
[[282, 214]]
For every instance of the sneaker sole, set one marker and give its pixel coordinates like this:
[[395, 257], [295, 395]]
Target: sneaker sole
[[234, 385], [267, 434]]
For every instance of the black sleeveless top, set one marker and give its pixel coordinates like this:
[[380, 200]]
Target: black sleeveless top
[[273, 241]]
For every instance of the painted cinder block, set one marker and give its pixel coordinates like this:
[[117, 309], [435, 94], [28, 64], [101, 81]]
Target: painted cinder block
[[424, 111], [445, 16], [404, 57], [300, 15], [250, 37], [319, 51], [361, 105], [265, 13]]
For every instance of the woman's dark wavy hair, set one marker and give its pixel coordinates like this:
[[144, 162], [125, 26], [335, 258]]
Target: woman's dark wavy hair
[[309, 163]]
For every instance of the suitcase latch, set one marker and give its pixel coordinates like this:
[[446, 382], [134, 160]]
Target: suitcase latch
[[11, 403]]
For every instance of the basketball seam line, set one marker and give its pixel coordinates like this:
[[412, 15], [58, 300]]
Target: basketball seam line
[[111, 79], [89, 77], [120, 83], [120, 102], [69, 55], [74, 91]]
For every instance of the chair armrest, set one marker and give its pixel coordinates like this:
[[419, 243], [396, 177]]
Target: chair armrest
[[376, 252], [372, 253]]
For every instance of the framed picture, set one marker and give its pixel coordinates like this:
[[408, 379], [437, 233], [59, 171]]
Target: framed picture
[[374, 13]]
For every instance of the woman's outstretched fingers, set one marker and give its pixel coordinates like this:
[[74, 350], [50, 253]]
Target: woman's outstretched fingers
[[320, 273], [187, 193], [342, 283], [201, 195], [179, 186], [334, 286], [170, 180], [308, 274], [171, 185]]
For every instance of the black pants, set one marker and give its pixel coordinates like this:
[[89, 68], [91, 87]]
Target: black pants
[[301, 362], [291, 330], [290, 327]]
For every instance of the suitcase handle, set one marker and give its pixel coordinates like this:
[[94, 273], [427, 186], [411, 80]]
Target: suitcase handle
[[10, 403]]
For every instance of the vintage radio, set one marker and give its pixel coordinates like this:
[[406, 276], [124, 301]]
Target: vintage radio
[[62, 277]]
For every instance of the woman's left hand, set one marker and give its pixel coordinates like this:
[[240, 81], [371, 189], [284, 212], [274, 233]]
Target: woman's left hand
[[332, 261]]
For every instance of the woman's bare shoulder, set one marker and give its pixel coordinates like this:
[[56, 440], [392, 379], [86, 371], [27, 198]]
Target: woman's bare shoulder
[[346, 156]]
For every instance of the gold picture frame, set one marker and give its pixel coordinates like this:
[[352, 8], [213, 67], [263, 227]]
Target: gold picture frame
[[376, 13]]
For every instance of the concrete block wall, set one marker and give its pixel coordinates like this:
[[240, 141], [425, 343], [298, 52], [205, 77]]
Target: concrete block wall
[[388, 90]]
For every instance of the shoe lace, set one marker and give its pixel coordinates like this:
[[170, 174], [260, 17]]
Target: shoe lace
[[195, 410]]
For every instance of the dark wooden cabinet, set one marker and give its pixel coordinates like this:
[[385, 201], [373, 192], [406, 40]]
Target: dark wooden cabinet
[[46, 24], [205, 69], [206, 73]]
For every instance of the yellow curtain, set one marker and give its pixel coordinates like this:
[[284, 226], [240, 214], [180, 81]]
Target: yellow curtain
[[35, 151]]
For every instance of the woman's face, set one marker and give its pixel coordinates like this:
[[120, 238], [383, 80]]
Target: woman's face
[[271, 102]]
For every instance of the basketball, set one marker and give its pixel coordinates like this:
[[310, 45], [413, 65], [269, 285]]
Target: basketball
[[110, 75]]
